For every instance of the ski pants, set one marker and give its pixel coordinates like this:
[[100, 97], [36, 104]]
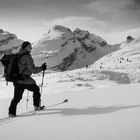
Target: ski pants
[[18, 92]]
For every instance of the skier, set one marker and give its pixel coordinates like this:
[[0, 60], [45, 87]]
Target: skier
[[26, 68]]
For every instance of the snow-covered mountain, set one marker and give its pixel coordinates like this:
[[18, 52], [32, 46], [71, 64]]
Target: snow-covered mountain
[[61, 48], [64, 49], [127, 57], [125, 60], [9, 42]]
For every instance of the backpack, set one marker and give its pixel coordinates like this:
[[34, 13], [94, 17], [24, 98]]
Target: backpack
[[11, 70]]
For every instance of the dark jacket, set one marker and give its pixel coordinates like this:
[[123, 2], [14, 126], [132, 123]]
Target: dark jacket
[[27, 67]]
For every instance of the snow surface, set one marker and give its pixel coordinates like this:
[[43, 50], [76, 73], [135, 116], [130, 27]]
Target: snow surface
[[103, 101], [99, 114]]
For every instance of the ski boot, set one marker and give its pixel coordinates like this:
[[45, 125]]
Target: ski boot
[[38, 108]]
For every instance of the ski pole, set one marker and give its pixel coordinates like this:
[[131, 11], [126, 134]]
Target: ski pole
[[6, 83], [42, 85], [42, 81], [27, 100]]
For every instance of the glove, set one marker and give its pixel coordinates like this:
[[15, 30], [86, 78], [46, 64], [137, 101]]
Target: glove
[[44, 66]]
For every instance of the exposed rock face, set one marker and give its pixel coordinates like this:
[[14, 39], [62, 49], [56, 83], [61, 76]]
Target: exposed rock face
[[61, 48], [64, 49], [8, 41]]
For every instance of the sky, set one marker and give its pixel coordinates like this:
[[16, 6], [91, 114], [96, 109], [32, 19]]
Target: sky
[[30, 19]]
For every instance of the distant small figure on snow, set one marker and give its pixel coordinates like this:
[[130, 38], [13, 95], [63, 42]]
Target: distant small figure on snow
[[129, 38], [87, 66]]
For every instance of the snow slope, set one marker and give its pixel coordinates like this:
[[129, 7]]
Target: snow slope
[[119, 67], [99, 114], [103, 102], [126, 59]]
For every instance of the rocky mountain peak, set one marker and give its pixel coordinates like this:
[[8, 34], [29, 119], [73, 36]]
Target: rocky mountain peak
[[65, 49], [8, 41]]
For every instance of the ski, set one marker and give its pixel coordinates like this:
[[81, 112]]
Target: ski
[[46, 107], [29, 113]]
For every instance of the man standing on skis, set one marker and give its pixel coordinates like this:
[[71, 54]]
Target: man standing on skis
[[26, 68]]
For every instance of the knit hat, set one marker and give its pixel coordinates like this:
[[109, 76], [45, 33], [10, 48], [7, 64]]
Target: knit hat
[[25, 44]]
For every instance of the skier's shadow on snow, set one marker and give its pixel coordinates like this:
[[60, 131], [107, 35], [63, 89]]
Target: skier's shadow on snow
[[95, 110]]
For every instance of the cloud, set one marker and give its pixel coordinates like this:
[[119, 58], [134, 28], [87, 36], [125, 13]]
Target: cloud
[[86, 23], [98, 16], [118, 12], [118, 37], [121, 13], [95, 26]]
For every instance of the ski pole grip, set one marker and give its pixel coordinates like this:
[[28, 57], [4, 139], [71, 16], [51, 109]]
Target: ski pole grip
[[66, 100], [44, 66]]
